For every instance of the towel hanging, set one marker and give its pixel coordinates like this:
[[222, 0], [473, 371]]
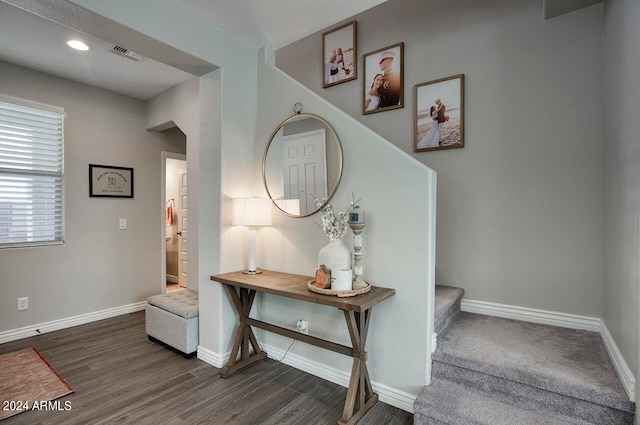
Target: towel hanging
[[169, 213]]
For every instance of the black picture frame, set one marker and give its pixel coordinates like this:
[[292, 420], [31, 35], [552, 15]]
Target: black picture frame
[[106, 181]]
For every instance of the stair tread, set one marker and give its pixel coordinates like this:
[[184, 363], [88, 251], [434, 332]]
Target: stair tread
[[446, 296], [447, 305], [528, 397], [455, 404], [570, 362]]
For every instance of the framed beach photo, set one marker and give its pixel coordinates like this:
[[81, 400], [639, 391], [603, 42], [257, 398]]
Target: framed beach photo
[[110, 182], [383, 82], [339, 56], [439, 114]]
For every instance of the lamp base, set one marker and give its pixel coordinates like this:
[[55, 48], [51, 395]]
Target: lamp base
[[256, 271]]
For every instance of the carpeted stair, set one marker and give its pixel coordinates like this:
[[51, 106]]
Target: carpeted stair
[[447, 303], [493, 371]]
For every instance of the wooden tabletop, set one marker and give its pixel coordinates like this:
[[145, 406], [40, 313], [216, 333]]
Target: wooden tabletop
[[295, 286]]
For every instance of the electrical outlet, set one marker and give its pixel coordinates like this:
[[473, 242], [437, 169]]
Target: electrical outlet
[[302, 326], [23, 303]]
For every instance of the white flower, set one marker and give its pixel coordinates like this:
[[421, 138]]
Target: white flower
[[335, 225]]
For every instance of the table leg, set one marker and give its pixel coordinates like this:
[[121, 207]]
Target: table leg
[[360, 395], [242, 300]]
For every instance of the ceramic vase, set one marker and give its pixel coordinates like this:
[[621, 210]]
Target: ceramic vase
[[335, 255]]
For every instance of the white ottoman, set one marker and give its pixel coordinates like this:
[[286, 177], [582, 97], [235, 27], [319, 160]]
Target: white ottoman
[[172, 318]]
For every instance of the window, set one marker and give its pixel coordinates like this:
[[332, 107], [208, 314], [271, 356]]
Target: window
[[31, 173]]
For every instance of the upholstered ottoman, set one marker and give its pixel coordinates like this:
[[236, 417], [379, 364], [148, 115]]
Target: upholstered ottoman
[[172, 318]]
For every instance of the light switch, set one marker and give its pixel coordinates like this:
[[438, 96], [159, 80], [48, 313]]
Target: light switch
[[123, 224]]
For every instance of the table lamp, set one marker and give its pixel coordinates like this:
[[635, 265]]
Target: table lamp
[[252, 212]]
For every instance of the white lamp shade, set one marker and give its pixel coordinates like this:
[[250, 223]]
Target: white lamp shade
[[252, 212]]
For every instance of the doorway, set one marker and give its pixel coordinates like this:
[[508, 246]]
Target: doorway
[[175, 222], [305, 166]]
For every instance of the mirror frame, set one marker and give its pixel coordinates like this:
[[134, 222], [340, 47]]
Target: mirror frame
[[332, 191]]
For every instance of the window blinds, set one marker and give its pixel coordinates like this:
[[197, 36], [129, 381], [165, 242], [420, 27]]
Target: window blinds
[[31, 173]]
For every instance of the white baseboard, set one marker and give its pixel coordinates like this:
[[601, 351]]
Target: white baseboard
[[532, 315], [563, 320], [212, 358], [56, 325], [386, 394], [624, 373]]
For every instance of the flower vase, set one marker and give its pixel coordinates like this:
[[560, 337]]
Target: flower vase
[[335, 255]]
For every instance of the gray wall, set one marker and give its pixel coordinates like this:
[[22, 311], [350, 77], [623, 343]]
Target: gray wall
[[622, 176], [520, 217], [99, 266]]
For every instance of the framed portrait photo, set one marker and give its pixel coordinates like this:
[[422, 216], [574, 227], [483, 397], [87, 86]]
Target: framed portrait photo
[[439, 114], [383, 82], [339, 55], [110, 182]]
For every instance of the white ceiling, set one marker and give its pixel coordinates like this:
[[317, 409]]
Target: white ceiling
[[30, 40], [35, 38], [34, 42], [274, 22]]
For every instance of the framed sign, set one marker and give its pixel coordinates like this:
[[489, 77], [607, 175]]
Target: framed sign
[[110, 182], [439, 114], [383, 82], [339, 58]]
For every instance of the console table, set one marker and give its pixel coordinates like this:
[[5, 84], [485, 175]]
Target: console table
[[357, 311]]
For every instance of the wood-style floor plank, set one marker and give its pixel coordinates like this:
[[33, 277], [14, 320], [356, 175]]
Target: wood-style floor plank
[[120, 377]]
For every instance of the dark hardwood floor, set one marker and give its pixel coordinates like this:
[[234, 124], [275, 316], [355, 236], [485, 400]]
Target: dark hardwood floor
[[119, 376]]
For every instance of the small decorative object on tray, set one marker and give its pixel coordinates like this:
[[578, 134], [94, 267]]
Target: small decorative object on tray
[[340, 294], [323, 277]]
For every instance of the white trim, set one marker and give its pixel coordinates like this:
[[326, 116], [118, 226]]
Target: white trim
[[386, 394], [31, 104], [212, 358], [624, 373], [563, 320], [69, 322], [532, 315], [163, 230]]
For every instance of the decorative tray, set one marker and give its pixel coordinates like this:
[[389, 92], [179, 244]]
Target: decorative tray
[[341, 294]]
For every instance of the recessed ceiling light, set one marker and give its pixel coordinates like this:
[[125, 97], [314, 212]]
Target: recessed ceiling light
[[78, 45]]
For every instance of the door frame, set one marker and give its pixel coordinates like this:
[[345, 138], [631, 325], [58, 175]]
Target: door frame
[[163, 231]]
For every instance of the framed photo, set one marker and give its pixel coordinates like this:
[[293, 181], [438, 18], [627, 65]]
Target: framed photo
[[110, 182], [439, 114], [339, 56], [383, 82]]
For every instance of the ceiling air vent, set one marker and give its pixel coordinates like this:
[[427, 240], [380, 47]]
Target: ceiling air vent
[[124, 52]]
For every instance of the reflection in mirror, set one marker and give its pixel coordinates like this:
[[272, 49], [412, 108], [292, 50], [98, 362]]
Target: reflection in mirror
[[302, 162]]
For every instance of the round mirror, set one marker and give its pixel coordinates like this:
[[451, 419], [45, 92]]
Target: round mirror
[[302, 163]]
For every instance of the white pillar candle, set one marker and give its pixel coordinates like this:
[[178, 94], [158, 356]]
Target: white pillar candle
[[341, 279]]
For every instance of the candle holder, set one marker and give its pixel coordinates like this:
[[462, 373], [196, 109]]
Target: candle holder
[[357, 228]]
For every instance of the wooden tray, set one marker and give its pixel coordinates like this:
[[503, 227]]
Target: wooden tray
[[341, 294]]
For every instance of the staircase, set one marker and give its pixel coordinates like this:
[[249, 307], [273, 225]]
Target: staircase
[[493, 371]]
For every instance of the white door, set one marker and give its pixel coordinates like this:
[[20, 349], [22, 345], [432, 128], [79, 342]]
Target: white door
[[305, 168], [182, 233]]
